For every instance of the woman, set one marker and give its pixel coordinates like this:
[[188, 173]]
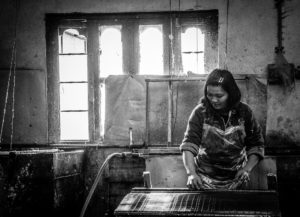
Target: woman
[[223, 141]]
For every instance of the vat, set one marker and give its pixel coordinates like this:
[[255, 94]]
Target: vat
[[40, 182]]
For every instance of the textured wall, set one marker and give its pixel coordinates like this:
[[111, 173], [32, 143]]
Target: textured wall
[[248, 48], [251, 38]]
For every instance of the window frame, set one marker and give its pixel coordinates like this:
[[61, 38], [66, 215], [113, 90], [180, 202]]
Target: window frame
[[207, 19]]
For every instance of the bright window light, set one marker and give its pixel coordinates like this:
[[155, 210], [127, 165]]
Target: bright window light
[[192, 48], [74, 126], [111, 62], [73, 86], [73, 68], [72, 42], [73, 96], [151, 50]]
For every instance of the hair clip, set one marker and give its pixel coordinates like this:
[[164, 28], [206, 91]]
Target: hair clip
[[221, 79]]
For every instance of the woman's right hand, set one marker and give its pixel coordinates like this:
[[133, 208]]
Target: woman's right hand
[[194, 182]]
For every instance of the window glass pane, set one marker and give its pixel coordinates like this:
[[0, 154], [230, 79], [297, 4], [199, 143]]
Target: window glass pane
[[193, 63], [73, 96], [73, 68], [74, 126], [151, 49], [192, 47], [110, 58], [72, 42], [192, 39]]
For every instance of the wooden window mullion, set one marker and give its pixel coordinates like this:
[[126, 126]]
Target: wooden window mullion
[[93, 81], [52, 82]]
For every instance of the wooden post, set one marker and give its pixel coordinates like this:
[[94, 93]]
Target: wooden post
[[147, 179], [170, 112], [147, 115]]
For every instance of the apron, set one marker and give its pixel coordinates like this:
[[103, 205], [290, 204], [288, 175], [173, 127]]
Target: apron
[[221, 155]]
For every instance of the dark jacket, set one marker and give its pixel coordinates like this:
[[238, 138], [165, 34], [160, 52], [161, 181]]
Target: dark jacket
[[241, 114]]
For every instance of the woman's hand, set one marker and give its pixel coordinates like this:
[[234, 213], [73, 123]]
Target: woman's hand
[[194, 182], [243, 174]]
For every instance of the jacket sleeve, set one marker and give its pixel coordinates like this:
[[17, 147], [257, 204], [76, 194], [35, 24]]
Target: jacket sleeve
[[254, 140], [193, 133]]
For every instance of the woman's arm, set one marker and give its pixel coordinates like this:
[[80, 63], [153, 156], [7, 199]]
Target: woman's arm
[[245, 171], [254, 140], [252, 161], [193, 133], [190, 147], [254, 143], [194, 181]]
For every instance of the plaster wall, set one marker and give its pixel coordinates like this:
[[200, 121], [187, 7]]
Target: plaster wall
[[246, 45]]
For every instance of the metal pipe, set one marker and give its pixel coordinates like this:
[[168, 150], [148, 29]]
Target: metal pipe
[[200, 78], [130, 137], [100, 172], [174, 79]]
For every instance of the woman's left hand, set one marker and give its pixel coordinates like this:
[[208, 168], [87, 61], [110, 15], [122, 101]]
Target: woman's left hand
[[243, 174]]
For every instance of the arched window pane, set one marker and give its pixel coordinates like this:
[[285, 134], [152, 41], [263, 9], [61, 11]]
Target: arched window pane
[[151, 49], [192, 48], [110, 60], [72, 42]]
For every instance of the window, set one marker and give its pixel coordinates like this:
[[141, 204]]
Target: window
[[111, 55], [151, 49], [84, 49], [73, 85], [192, 50]]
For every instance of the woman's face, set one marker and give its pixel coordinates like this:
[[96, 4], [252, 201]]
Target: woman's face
[[217, 96]]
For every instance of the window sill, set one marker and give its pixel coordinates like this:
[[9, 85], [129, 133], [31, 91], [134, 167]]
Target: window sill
[[137, 148]]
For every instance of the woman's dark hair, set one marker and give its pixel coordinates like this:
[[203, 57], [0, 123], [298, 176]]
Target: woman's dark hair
[[224, 78]]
